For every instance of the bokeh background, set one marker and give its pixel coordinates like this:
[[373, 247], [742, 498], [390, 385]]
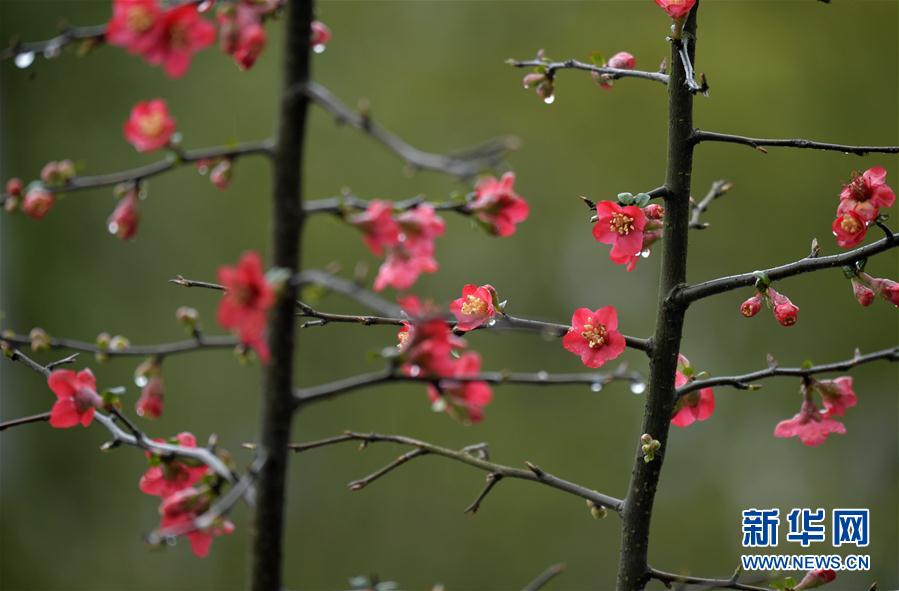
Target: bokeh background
[[72, 517]]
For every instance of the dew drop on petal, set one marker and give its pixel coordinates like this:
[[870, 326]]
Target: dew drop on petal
[[645, 253], [319, 48], [414, 371], [205, 5], [24, 59], [596, 387], [113, 228], [141, 381], [438, 405], [638, 387], [550, 99]]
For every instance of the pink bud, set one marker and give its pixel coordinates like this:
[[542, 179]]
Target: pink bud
[[532, 79], [815, 578], [38, 202], [125, 217], [152, 398], [320, 35], [251, 42], [862, 293], [785, 311], [654, 211], [751, 307], [622, 61], [221, 174], [14, 187], [885, 288]]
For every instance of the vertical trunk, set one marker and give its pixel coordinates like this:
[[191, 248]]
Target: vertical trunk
[[633, 569], [287, 221]]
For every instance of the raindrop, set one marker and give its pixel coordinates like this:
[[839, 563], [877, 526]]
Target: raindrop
[[596, 387], [542, 375], [492, 322], [25, 59], [113, 228], [638, 387], [644, 253], [202, 169], [438, 405], [141, 380], [319, 48], [550, 99], [414, 371], [205, 5]]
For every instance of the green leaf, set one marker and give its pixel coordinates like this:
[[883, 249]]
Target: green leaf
[[625, 198]]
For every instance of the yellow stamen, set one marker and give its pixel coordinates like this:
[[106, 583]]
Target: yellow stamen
[[621, 224], [474, 306], [595, 335]]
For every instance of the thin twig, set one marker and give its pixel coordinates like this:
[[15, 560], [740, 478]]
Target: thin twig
[[729, 583], [44, 416], [760, 144], [545, 577], [718, 188], [160, 350], [492, 479], [612, 73]]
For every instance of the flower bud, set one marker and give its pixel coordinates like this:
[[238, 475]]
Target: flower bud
[[40, 340], [815, 578], [221, 174], [50, 174], [66, 170], [187, 316], [118, 343], [751, 307], [785, 311], [532, 79], [152, 398], [11, 203], [646, 438], [14, 187], [622, 61], [124, 220], [862, 293], [597, 511], [38, 202], [320, 36], [654, 211], [885, 288]]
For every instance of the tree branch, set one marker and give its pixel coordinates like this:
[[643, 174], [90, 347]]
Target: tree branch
[[760, 144], [613, 73], [44, 416], [464, 164], [718, 188], [729, 583], [464, 456], [691, 293], [744, 382], [545, 577], [340, 205], [160, 350]]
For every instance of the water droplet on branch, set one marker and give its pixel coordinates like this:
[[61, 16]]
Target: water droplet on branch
[[25, 59], [638, 387]]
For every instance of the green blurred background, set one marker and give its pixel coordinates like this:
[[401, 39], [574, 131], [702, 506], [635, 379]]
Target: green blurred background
[[72, 517]]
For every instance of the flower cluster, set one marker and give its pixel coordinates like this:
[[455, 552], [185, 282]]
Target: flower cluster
[[407, 239], [692, 407], [164, 36], [860, 203], [241, 31], [38, 197], [76, 398], [594, 336], [785, 312], [183, 487], [476, 307], [428, 348], [497, 206], [244, 307], [631, 226], [620, 61], [812, 424], [865, 288]]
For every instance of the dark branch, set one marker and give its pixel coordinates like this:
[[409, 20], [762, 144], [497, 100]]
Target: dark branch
[[718, 188], [492, 480], [466, 457], [51, 47], [161, 350], [760, 144], [612, 73], [545, 577], [691, 293], [745, 381], [464, 164], [730, 583], [342, 204], [44, 416]]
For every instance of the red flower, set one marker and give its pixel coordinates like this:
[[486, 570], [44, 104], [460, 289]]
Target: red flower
[[496, 204], [849, 228], [136, 25], [594, 336], [676, 9], [125, 217], [785, 311], [77, 398], [885, 288], [622, 227], [474, 308], [378, 226], [620, 61], [695, 406], [810, 425], [183, 33], [428, 349], [462, 399], [815, 578], [866, 194], [152, 398], [837, 395], [182, 508], [319, 36], [419, 227], [167, 476], [401, 268], [38, 202], [863, 293], [247, 299], [150, 126], [751, 307], [250, 44]]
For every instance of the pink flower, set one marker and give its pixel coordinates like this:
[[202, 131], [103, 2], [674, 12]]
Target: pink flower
[[319, 36], [14, 187], [620, 61], [496, 204], [250, 43], [167, 476], [76, 395], [810, 425], [751, 307], [428, 349], [837, 395], [785, 311], [815, 578], [419, 227], [594, 336], [676, 9], [462, 399], [474, 308], [849, 228], [695, 406], [181, 509], [402, 268], [379, 229], [863, 293], [885, 288], [125, 217], [136, 25], [38, 202], [245, 305], [183, 33], [152, 398], [866, 194], [150, 126], [413, 252], [622, 227]]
